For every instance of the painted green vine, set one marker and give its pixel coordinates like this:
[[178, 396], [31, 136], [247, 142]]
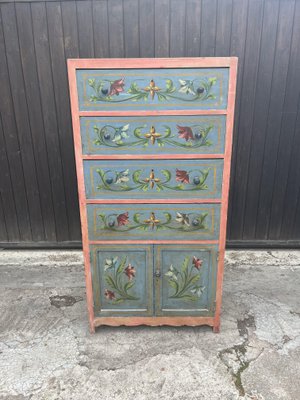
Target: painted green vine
[[191, 90], [186, 222], [118, 181], [185, 281], [193, 136], [119, 279]]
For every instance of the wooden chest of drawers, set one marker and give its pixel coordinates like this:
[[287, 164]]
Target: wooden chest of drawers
[[153, 146]]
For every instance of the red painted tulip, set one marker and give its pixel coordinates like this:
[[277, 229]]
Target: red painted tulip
[[117, 87], [109, 294], [122, 219], [185, 132], [182, 176], [197, 262], [130, 271]]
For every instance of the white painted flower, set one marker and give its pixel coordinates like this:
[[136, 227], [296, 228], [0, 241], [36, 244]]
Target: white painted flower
[[186, 87]]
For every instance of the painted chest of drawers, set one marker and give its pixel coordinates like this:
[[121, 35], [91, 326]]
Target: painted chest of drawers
[[153, 146]]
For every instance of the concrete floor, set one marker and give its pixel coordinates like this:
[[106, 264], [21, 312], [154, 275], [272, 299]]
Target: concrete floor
[[47, 353]]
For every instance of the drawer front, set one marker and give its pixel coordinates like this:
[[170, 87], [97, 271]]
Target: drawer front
[[153, 221], [200, 134], [187, 279], [122, 280], [152, 89], [149, 179]]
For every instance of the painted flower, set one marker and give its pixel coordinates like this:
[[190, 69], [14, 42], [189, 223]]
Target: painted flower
[[117, 87], [198, 290], [122, 219], [185, 132], [152, 88], [109, 294], [182, 219], [121, 133], [197, 263], [182, 176], [186, 87], [110, 262], [171, 273], [130, 271], [122, 176]]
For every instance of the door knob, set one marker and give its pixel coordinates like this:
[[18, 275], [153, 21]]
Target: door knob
[[157, 273]]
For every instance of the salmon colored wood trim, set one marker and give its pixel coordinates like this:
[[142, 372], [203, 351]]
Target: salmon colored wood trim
[[81, 193], [153, 157], [190, 62], [153, 201], [154, 321], [152, 241], [149, 113], [225, 188]]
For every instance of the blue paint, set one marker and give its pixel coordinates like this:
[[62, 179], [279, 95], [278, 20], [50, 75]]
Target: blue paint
[[97, 230], [110, 185], [188, 84], [140, 258], [165, 256], [131, 145]]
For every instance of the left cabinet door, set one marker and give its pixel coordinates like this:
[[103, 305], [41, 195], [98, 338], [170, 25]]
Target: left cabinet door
[[122, 278]]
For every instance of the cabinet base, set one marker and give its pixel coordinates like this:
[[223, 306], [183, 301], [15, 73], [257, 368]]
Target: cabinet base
[[156, 321]]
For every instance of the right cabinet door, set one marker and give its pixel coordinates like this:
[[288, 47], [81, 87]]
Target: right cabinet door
[[185, 279]]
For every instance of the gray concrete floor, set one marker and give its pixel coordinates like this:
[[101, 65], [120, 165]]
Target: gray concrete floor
[[47, 353]]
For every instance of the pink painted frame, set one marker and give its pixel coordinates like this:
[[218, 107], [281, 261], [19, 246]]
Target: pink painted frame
[[207, 62]]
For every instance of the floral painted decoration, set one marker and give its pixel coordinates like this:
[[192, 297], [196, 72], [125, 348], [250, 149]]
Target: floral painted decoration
[[194, 136], [182, 176], [125, 180], [119, 279], [185, 281], [186, 222], [198, 89]]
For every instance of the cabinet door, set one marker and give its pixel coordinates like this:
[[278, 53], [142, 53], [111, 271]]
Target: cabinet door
[[122, 280], [153, 89], [185, 279]]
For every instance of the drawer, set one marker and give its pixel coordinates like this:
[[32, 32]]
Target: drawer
[[187, 277], [185, 179], [153, 221], [122, 279], [200, 134], [153, 89]]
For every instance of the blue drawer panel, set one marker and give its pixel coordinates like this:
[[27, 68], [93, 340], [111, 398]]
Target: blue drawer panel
[[188, 278], [122, 179], [122, 279], [153, 221], [152, 89], [200, 134]]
